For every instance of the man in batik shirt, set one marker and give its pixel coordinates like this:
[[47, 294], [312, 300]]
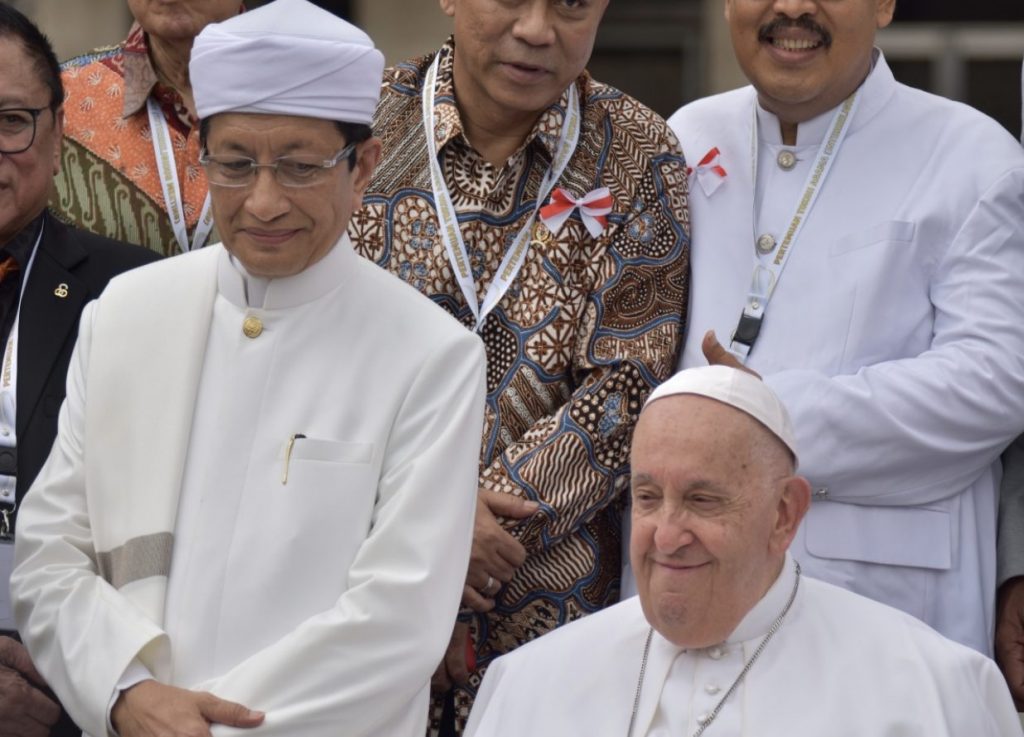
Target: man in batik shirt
[[131, 138], [580, 306]]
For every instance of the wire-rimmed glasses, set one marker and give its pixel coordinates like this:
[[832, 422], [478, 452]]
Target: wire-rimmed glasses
[[289, 171]]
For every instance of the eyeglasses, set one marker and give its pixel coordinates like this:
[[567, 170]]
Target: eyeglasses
[[289, 171], [18, 128]]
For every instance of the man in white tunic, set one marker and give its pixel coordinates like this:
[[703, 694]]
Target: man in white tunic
[[872, 236], [726, 636], [258, 510]]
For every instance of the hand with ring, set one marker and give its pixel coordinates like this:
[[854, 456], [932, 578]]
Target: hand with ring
[[496, 554], [489, 588]]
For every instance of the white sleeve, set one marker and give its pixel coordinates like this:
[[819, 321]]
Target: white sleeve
[[82, 634], [352, 668], [915, 430]]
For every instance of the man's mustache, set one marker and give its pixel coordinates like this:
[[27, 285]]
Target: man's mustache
[[804, 21]]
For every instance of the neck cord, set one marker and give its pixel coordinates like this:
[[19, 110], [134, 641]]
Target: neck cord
[[735, 684]]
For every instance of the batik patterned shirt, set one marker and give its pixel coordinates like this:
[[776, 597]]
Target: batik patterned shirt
[[109, 181], [586, 330]]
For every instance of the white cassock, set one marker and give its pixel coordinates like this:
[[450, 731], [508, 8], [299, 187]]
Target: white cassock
[[325, 597], [840, 665], [895, 337]]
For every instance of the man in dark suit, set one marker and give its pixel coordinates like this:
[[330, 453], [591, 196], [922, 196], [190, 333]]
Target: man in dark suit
[[48, 272]]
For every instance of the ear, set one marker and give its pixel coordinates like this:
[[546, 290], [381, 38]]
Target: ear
[[886, 10], [448, 6], [793, 502], [369, 152], [58, 138]]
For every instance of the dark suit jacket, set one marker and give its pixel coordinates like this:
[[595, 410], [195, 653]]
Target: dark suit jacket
[[71, 267], [83, 263]]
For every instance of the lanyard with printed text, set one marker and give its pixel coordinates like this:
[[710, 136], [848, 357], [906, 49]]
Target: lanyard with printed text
[[450, 230], [9, 404], [163, 149], [768, 267]]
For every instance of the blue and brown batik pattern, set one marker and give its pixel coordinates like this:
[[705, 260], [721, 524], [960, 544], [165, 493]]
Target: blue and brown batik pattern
[[587, 329]]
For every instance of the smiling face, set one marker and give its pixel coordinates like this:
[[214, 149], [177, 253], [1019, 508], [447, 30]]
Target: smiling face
[[278, 231], [715, 507], [805, 57], [514, 58]]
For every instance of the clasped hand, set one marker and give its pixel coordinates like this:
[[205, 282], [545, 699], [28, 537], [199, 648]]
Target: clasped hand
[[152, 709], [494, 559], [25, 710]]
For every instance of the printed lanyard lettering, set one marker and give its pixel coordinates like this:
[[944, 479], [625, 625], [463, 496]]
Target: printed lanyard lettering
[[9, 404], [451, 233], [768, 270], [163, 149]]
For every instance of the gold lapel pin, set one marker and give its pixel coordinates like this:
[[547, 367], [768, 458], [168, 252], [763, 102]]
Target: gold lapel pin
[[61, 290], [540, 236]]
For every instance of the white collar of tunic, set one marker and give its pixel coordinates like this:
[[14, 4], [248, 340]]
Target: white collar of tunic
[[875, 93], [244, 290], [754, 625]]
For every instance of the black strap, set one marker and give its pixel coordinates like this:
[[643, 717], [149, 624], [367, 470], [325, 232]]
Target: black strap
[[747, 330]]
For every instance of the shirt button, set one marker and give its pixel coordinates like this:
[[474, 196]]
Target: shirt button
[[703, 718], [715, 653], [252, 327], [765, 244], [786, 160], [711, 689]]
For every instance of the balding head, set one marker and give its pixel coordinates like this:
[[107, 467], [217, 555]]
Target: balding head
[[715, 507]]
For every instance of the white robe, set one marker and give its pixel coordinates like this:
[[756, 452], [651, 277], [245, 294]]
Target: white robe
[[895, 337], [840, 665], [325, 601]]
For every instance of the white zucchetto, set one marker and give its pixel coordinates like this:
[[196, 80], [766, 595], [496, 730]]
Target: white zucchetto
[[288, 57], [738, 389]]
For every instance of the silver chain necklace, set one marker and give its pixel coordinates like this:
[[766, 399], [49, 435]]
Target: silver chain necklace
[[718, 707]]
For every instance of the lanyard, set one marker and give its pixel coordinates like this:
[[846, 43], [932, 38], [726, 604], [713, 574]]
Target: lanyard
[[8, 401], [163, 149], [450, 230], [768, 268]]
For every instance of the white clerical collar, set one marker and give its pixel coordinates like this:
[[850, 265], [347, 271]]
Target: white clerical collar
[[760, 618], [756, 622], [874, 94], [245, 290]]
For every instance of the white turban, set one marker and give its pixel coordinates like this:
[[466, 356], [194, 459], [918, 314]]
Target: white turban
[[739, 389], [288, 58]]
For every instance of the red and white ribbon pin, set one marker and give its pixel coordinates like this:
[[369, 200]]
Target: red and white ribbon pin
[[710, 174], [593, 206]]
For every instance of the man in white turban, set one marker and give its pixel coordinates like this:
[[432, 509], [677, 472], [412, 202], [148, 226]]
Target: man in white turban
[[258, 509], [726, 637]]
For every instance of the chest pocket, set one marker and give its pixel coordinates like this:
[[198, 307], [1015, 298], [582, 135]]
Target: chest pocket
[[890, 231], [328, 500]]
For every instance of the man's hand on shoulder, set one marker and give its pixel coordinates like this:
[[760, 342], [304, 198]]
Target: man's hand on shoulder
[[152, 709], [1009, 643], [25, 711]]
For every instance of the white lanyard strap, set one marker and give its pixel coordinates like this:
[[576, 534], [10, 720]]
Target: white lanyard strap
[[163, 149], [451, 233], [768, 269], [9, 402]]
